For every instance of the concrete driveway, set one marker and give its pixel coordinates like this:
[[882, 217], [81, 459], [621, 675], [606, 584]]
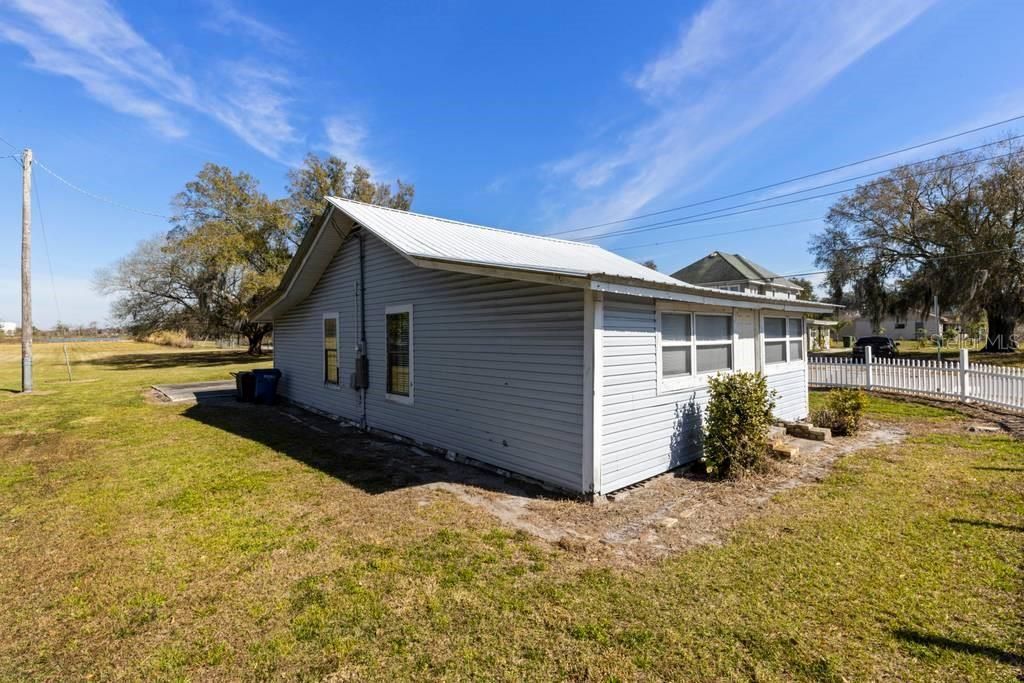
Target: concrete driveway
[[198, 392]]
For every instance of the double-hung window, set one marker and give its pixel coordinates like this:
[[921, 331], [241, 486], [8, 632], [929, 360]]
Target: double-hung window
[[783, 340], [332, 372], [398, 332], [692, 344]]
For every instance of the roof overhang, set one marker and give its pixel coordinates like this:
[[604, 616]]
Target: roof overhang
[[701, 295]]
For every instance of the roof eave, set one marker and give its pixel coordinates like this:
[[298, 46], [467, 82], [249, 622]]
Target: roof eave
[[705, 295]]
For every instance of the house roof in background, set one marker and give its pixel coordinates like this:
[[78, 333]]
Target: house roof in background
[[720, 268], [440, 243]]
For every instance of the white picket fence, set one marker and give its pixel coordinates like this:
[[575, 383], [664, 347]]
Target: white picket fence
[[955, 380]]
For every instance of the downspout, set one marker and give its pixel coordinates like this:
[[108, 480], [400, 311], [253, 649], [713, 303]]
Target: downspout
[[362, 361]]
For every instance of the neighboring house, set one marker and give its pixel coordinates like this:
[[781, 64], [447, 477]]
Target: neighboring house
[[735, 273], [555, 360], [8, 328], [898, 327]]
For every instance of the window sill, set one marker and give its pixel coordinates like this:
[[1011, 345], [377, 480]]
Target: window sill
[[682, 385], [779, 368], [332, 386], [398, 398]]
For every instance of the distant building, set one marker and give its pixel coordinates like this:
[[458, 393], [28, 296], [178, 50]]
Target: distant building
[[735, 273], [905, 327], [7, 328]]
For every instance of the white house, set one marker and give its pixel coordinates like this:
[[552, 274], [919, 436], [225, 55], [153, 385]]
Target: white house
[[899, 326], [8, 328], [736, 273], [555, 360]]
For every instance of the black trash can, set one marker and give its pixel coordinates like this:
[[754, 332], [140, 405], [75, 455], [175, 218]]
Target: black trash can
[[266, 385], [245, 387]]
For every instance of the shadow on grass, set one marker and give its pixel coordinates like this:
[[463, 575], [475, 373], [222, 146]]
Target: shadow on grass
[[371, 463], [178, 359], [986, 524], [929, 640], [1000, 469]]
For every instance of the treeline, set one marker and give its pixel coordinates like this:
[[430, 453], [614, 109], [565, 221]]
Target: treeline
[[227, 248], [951, 228]]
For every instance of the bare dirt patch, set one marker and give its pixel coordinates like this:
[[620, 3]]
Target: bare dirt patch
[[680, 510]]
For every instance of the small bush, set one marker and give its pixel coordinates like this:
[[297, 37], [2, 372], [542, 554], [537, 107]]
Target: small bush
[[736, 424], [842, 411], [176, 338]]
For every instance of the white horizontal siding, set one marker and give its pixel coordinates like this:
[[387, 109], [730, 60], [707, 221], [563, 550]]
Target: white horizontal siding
[[791, 386], [498, 364], [644, 433]]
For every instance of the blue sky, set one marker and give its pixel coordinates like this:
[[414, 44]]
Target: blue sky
[[535, 116]]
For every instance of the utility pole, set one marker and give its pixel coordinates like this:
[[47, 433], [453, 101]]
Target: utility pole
[[26, 271]]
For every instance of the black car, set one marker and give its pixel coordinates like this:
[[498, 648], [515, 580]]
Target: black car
[[881, 347]]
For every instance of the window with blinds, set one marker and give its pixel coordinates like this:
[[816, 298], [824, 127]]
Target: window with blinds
[[692, 344], [398, 322], [331, 374]]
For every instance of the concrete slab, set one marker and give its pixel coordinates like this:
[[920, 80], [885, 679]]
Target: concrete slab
[[218, 390]]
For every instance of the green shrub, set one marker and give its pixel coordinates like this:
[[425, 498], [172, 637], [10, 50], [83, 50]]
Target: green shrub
[[736, 424], [842, 411]]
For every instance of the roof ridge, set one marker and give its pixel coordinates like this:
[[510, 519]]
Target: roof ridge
[[467, 224]]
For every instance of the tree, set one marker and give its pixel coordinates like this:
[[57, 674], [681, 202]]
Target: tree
[[649, 263], [320, 177], [951, 228], [227, 250], [806, 289]]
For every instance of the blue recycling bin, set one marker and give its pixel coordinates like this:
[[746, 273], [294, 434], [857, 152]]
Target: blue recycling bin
[[266, 385]]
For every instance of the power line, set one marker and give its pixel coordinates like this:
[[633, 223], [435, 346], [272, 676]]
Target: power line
[[97, 197], [937, 257], [8, 143], [46, 248], [720, 234], [796, 179], [225, 215], [706, 216]]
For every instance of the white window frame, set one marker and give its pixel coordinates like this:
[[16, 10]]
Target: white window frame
[[677, 383], [399, 398], [336, 317], [765, 339]]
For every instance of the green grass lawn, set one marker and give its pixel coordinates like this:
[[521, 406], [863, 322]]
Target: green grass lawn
[[137, 542]]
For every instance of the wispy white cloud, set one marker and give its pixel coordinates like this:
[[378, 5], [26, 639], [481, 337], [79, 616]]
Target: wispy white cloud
[[346, 138], [226, 18], [92, 43], [255, 106], [734, 66]]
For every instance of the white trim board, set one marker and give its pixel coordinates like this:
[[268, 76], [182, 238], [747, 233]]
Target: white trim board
[[398, 398], [593, 389]]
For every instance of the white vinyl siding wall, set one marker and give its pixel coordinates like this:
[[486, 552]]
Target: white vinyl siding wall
[[498, 363], [645, 431]]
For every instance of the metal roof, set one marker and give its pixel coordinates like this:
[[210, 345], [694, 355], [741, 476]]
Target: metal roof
[[431, 242], [442, 239]]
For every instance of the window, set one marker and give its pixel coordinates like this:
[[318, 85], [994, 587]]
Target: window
[[714, 342], [331, 371], [901, 323], [692, 344], [783, 340], [398, 323], [676, 344]]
